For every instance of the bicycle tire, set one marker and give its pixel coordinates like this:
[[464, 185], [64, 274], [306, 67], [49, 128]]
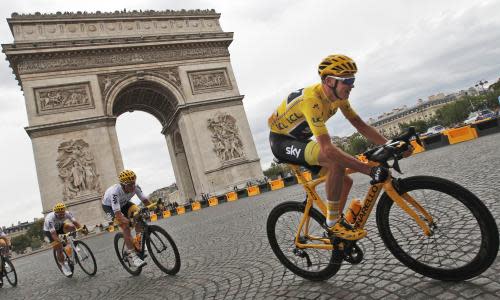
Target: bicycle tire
[[66, 258], [466, 208], [12, 281], [120, 252], [88, 272], [152, 247], [331, 267]]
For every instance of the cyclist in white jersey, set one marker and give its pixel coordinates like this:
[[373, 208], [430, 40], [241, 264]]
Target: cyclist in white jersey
[[59, 221], [117, 206]]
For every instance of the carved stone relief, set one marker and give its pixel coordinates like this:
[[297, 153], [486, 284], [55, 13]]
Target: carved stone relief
[[209, 80], [225, 137], [77, 170], [63, 98], [146, 55]]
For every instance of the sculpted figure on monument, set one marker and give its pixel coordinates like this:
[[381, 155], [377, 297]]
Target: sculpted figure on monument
[[225, 137], [77, 169]]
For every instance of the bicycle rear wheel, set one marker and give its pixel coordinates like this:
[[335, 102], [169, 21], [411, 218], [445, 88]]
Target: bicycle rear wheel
[[121, 253], [465, 240], [10, 272], [66, 259], [282, 225], [85, 258], [163, 250]]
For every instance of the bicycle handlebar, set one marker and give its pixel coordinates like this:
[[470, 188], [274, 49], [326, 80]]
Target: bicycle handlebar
[[393, 149]]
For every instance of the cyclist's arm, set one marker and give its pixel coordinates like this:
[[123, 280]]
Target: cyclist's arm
[[367, 131], [331, 152], [141, 196]]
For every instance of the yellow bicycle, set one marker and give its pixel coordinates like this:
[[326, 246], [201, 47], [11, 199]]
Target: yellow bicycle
[[437, 228]]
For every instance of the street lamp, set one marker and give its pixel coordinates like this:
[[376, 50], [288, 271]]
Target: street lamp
[[481, 84]]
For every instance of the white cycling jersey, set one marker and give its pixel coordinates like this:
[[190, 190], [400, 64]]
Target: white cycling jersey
[[116, 197], [53, 223]]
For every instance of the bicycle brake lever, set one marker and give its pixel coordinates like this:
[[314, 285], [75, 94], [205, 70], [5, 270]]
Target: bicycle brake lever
[[395, 165]]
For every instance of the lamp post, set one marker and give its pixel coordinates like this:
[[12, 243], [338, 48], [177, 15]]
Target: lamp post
[[481, 84]]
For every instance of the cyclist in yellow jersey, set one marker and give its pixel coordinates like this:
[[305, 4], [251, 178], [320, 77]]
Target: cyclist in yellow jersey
[[302, 115]]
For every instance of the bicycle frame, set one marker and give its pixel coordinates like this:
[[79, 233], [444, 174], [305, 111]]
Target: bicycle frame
[[366, 208]]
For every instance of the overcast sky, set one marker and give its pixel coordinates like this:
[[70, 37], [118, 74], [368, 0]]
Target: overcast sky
[[405, 50]]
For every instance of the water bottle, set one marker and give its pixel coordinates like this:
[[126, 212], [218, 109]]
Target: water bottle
[[353, 211]]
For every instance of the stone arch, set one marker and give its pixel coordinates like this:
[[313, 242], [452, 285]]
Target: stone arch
[[76, 83]]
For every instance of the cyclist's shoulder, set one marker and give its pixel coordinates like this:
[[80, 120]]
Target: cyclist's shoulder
[[113, 189]]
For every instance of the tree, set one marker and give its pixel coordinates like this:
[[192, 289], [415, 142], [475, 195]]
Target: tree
[[35, 231], [420, 125], [20, 242], [276, 169]]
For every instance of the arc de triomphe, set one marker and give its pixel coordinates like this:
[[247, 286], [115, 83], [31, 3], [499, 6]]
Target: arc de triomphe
[[80, 71]]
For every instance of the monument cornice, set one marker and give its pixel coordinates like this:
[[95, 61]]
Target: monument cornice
[[115, 14], [85, 58], [68, 126]]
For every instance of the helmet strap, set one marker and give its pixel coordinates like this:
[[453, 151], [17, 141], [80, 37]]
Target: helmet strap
[[334, 89]]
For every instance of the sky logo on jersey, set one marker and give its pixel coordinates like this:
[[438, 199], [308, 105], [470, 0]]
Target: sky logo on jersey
[[293, 151]]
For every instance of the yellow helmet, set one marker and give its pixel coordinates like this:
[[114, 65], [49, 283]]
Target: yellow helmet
[[59, 207], [127, 176], [337, 65]]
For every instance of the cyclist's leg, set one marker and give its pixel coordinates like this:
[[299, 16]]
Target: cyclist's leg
[[68, 227], [130, 212], [55, 245], [125, 226]]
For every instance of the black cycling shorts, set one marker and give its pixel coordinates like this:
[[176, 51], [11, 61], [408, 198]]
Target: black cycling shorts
[[294, 151]]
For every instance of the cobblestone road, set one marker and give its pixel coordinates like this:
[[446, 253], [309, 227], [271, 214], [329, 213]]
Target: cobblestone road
[[225, 253]]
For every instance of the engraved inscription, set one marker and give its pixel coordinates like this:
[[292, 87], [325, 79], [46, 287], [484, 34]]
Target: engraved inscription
[[63, 98], [207, 81]]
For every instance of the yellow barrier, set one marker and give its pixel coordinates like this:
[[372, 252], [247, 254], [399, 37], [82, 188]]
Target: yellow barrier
[[153, 217], [307, 175], [462, 134], [232, 196], [362, 158], [277, 184], [213, 201], [253, 190], [196, 206], [166, 214], [111, 228], [416, 147], [180, 210]]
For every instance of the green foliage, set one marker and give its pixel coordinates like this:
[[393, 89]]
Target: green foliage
[[20, 242], [357, 144], [36, 230], [421, 126]]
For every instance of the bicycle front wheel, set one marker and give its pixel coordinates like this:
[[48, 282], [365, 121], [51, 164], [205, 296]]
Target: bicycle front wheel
[[66, 259], [465, 240], [282, 226], [85, 258], [10, 272], [121, 253], [163, 250]]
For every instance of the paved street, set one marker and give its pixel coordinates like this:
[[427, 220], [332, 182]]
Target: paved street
[[225, 253]]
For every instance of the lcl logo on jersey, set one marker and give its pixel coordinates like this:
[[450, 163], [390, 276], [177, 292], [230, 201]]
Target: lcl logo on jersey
[[291, 150]]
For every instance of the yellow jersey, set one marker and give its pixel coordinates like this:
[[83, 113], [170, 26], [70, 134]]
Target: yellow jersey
[[304, 113]]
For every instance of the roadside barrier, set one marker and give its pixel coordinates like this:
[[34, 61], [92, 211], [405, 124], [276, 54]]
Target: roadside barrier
[[276, 184], [166, 214], [153, 217], [180, 210], [195, 206], [213, 201], [307, 175], [253, 190], [231, 196], [435, 141], [487, 126], [416, 147], [462, 134]]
